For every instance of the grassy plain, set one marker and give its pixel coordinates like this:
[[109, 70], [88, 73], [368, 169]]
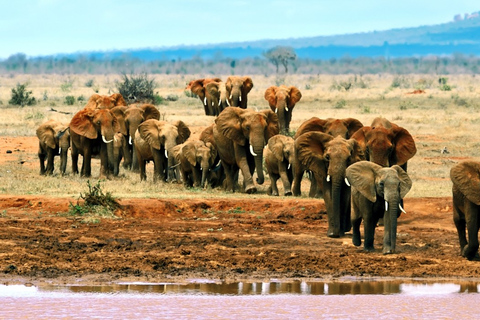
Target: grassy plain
[[437, 119]]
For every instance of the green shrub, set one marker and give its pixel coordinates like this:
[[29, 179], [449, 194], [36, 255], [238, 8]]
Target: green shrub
[[70, 100], [22, 97], [137, 88], [89, 83], [96, 203], [340, 104]]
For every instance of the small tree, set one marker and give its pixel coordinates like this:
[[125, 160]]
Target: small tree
[[137, 88], [281, 55], [22, 97]]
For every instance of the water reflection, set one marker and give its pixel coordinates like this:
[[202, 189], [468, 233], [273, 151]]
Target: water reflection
[[278, 287]]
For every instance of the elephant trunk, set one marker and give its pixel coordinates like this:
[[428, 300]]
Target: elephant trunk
[[390, 222], [204, 176], [63, 159], [281, 110], [111, 157], [259, 167], [335, 209], [235, 98]]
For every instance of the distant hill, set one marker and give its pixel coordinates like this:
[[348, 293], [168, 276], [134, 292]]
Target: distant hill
[[459, 36]]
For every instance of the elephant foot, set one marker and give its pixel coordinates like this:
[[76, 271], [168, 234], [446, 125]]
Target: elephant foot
[[470, 253], [333, 235], [251, 190], [356, 240], [369, 249], [288, 193], [388, 251]]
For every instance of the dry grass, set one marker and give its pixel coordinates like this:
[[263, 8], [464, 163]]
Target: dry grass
[[436, 119]]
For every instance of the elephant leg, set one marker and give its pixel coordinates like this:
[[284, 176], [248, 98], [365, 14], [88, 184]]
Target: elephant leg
[[158, 166], [297, 180], [242, 163], [369, 231], [273, 183], [287, 190], [460, 224], [143, 174], [471, 215], [197, 177], [127, 155], [41, 157], [50, 162], [230, 180], [356, 221], [74, 160]]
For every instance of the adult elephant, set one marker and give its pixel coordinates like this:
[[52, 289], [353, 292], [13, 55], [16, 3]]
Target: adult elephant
[[282, 100], [328, 158], [91, 133], [376, 193], [386, 143], [217, 176], [196, 159], [129, 119], [240, 136], [466, 205], [237, 90], [344, 128], [53, 139], [97, 101], [153, 141], [279, 158], [208, 94]]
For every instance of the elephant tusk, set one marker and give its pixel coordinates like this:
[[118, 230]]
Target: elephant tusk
[[276, 110], [205, 101], [346, 182], [289, 165], [130, 140], [386, 206], [231, 95], [328, 178], [240, 98], [166, 154], [251, 151], [105, 140], [201, 169], [115, 138], [60, 151], [286, 109], [401, 209], [228, 103]]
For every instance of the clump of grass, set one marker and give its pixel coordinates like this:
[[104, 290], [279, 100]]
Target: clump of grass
[[96, 203], [22, 97], [340, 104], [137, 88], [70, 100]]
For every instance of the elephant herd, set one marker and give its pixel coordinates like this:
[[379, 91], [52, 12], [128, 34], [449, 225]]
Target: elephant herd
[[360, 171]]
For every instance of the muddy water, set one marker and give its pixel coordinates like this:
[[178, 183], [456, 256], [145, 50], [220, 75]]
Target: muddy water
[[242, 300]]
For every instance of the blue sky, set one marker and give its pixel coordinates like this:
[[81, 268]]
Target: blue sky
[[43, 27]]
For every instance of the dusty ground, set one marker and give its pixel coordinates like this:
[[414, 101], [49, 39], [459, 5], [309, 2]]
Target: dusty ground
[[157, 240]]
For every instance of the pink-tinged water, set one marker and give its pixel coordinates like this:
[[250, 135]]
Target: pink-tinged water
[[250, 301]]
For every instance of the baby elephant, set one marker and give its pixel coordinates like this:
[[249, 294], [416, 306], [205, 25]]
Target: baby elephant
[[376, 193], [279, 157], [466, 205], [53, 139]]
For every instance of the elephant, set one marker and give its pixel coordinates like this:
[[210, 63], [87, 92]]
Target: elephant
[[344, 128], [53, 139], [217, 176], [282, 100], [279, 158], [153, 141], [119, 147], [129, 119], [240, 136], [466, 205], [386, 143], [97, 101], [92, 133], [376, 193], [327, 158], [208, 92], [237, 90], [196, 159]]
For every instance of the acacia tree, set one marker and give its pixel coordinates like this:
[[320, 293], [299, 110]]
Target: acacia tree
[[280, 55]]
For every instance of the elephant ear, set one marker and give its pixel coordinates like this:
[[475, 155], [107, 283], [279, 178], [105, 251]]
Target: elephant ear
[[228, 84], [312, 124], [275, 145], [150, 132], [189, 152], [272, 124], [229, 124], [361, 176], [46, 134], [213, 150], [466, 177], [119, 113], [271, 97], [357, 151], [150, 112], [198, 89], [353, 125], [360, 137], [82, 124], [247, 84], [213, 89], [405, 147], [207, 135], [175, 151], [183, 131], [118, 99], [405, 181], [295, 96], [310, 148]]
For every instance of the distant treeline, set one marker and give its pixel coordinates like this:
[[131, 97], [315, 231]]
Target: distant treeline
[[454, 64]]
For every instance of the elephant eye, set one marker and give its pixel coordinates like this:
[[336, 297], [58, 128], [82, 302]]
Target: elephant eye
[[247, 127], [327, 157], [98, 122]]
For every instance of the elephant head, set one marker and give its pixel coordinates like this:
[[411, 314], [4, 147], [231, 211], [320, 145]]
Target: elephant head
[[54, 138], [328, 158], [279, 158], [201, 158], [282, 100], [237, 90], [97, 101], [210, 96], [379, 185], [386, 145], [466, 203], [334, 127], [249, 132], [162, 136]]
